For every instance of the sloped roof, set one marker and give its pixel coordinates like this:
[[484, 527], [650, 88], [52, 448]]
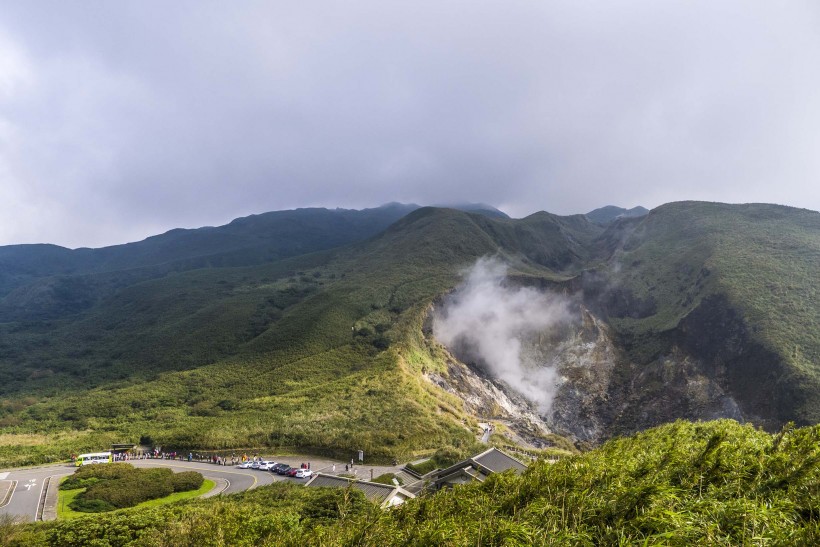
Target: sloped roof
[[372, 490], [469, 471], [480, 466], [496, 461]]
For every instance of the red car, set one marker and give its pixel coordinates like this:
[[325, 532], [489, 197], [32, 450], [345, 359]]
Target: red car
[[292, 471]]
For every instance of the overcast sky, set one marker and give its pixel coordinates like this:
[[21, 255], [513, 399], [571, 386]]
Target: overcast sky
[[119, 120]]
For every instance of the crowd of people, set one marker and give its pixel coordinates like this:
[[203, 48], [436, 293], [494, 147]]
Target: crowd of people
[[216, 459]]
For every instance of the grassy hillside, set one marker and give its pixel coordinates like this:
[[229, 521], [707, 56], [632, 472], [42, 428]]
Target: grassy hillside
[[323, 351], [320, 351], [46, 281], [732, 285], [715, 483]]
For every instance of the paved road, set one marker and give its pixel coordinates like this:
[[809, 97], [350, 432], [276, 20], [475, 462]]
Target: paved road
[[29, 488], [29, 484], [29, 492]]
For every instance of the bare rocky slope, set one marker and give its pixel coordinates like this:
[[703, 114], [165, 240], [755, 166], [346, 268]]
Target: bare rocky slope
[[676, 319]]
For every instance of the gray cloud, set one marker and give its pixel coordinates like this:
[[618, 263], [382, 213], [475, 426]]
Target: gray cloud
[[119, 120]]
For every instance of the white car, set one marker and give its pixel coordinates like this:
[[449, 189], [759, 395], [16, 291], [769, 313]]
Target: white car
[[304, 474], [244, 465], [265, 466]]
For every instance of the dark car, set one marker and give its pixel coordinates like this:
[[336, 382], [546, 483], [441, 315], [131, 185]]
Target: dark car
[[284, 470], [279, 468]]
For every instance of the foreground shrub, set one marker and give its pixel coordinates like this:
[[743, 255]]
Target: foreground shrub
[[683, 483], [715, 483]]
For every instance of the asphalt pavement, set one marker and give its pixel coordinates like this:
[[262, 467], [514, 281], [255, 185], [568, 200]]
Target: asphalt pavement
[[30, 493]]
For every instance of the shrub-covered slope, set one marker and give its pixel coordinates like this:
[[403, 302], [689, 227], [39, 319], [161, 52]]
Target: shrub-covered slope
[[715, 483], [727, 291]]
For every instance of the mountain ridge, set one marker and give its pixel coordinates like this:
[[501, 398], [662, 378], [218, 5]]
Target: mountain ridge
[[686, 301]]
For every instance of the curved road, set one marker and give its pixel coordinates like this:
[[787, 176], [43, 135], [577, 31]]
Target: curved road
[[23, 491]]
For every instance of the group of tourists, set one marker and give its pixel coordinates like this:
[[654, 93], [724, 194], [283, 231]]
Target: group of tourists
[[215, 459]]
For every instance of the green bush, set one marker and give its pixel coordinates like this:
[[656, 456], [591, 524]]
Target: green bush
[[91, 505], [146, 484], [333, 503], [424, 467], [715, 483], [187, 480], [89, 475], [387, 478], [116, 486]]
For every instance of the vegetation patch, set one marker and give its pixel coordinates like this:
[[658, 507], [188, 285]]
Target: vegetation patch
[[119, 485], [422, 468], [714, 483], [387, 478]]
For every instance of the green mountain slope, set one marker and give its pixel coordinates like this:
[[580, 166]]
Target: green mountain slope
[[52, 281], [320, 351], [731, 286], [710, 310]]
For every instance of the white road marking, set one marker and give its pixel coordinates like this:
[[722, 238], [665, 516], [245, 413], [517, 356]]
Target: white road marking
[[3, 476], [12, 487]]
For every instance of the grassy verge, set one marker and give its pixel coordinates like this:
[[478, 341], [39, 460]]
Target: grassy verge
[[206, 487], [67, 496]]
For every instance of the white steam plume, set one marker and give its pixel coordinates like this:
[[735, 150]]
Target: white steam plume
[[489, 322]]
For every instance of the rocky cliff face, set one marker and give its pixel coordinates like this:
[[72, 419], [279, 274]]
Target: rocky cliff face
[[601, 392]]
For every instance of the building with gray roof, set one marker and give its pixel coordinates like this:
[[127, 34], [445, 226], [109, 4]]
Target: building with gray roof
[[477, 468], [385, 495]]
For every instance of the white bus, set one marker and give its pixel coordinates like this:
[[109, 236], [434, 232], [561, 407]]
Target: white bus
[[96, 457]]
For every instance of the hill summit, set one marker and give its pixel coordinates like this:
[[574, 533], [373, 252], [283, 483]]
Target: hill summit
[[605, 215]]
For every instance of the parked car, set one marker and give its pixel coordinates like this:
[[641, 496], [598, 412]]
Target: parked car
[[244, 465], [254, 465], [292, 471], [265, 466], [303, 473], [279, 468]]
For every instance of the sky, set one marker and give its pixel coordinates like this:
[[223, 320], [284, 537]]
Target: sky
[[120, 120]]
